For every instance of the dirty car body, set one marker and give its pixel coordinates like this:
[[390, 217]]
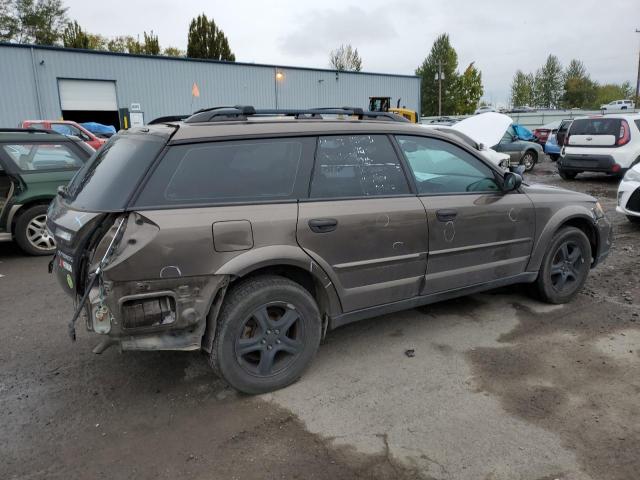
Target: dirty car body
[[318, 222]]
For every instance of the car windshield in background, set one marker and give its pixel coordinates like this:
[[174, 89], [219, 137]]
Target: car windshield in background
[[39, 156], [596, 126], [109, 178]]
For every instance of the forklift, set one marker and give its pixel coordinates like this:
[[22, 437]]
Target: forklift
[[383, 104]]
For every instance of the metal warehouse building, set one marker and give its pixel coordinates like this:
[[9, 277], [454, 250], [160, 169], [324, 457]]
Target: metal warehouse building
[[51, 83]]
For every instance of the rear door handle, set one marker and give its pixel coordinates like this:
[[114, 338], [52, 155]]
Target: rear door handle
[[446, 215], [323, 225]]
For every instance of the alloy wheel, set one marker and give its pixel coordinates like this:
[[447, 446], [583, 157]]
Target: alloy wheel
[[38, 235], [566, 266], [270, 339]]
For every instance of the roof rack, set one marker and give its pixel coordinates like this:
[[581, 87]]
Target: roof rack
[[168, 118], [242, 112]]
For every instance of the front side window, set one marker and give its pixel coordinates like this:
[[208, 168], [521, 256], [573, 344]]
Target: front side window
[[41, 156], [357, 166], [440, 167], [237, 171]]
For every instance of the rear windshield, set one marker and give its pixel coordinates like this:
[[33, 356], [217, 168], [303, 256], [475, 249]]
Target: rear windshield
[[109, 178], [596, 126]]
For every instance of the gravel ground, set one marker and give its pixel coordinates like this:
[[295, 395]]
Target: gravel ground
[[500, 387]]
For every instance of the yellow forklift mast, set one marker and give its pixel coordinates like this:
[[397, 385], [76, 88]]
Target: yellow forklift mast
[[383, 104]]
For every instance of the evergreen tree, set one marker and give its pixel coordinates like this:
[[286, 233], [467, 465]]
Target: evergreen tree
[[206, 40], [441, 52]]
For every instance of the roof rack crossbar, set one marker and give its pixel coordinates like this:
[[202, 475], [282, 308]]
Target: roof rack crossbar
[[241, 112]]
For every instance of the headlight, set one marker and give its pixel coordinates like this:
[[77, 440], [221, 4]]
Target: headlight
[[632, 175], [598, 211]]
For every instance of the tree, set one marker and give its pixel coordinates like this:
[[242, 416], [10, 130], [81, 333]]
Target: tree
[[8, 21], [41, 22], [173, 52], [74, 37], [151, 45], [206, 40], [469, 90], [549, 83], [345, 58], [579, 90], [441, 52], [522, 89]]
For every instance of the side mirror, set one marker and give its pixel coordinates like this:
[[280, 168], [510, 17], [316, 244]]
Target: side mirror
[[512, 181], [482, 146]]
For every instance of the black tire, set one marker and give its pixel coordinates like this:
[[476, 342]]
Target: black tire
[[565, 266], [31, 233], [554, 157], [566, 174], [249, 319], [634, 220], [529, 160]]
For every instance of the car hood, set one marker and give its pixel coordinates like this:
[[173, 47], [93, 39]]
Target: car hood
[[487, 128], [539, 188]]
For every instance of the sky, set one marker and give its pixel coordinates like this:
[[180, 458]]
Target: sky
[[395, 36]]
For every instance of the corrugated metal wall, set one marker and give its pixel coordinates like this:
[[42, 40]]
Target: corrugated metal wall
[[163, 86]]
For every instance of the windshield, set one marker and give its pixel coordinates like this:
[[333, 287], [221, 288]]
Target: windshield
[[109, 178]]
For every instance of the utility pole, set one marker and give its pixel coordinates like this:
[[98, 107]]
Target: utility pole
[[440, 88], [636, 100]]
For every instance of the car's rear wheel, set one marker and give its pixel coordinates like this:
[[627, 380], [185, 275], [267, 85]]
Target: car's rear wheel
[[528, 160], [565, 266], [566, 174], [31, 232], [633, 219], [268, 333]]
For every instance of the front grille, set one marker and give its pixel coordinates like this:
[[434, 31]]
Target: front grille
[[633, 203]]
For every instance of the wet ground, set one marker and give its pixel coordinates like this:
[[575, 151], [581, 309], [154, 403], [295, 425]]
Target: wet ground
[[500, 387]]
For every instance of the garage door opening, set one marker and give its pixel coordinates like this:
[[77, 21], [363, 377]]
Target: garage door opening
[[89, 101]]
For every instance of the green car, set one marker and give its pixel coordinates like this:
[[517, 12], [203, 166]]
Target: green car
[[33, 164]]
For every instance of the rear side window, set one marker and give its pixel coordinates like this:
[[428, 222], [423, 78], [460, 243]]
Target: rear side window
[[637, 123], [41, 156], [357, 166], [109, 178], [239, 171], [596, 126]]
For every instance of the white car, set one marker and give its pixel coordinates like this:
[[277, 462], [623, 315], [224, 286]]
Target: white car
[[618, 106], [608, 144], [629, 194], [479, 133]]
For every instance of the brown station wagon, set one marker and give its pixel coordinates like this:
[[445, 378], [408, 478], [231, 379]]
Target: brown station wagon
[[249, 234]]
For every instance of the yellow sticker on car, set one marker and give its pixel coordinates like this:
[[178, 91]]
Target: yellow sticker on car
[[69, 281]]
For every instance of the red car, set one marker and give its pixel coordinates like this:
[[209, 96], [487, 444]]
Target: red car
[[66, 127], [541, 134]]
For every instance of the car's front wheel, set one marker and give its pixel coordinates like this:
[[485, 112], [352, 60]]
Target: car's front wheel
[[31, 232], [633, 219], [268, 332], [528, 160], [565, 266], [554, 157]]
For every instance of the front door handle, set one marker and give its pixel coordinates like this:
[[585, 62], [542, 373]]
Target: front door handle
[[323, 225], [446, 215]]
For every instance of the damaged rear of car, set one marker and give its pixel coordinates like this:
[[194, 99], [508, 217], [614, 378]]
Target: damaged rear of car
[[97, 239]]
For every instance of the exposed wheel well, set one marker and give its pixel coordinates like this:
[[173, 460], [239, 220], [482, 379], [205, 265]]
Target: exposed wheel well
[[589, 230]]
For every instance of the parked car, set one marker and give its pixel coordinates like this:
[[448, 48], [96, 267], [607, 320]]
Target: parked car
[[629, 194], [542, 133], [484, 109], [250, 239], [608, 144], [522, 152], [523, 109], [562, 131], [551, 146], [99, 130], [68, 128], [618, 105], [33, 164]]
